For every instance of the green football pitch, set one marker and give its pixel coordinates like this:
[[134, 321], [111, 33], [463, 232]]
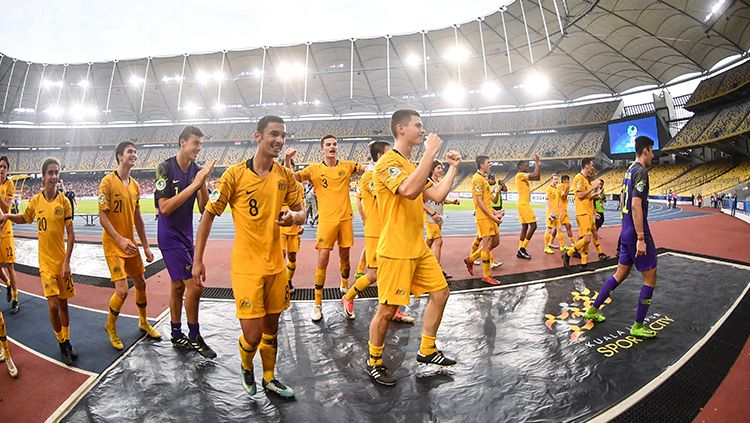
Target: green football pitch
[[147, 206]]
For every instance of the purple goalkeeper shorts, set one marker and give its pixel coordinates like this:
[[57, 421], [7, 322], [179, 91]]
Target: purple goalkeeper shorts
[[642, 263], [179, 262]]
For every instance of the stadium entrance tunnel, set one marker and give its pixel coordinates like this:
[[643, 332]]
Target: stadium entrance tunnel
[[524, 353]]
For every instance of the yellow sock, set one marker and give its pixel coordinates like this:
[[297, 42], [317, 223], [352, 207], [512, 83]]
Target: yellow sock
[[268, 355], [3, 336], [475, 255], [585, 255], [485, 263], [66, 333], [492, 258], [247, 352], [520, 243], [362, 264], [547, 239], [525, 243], [115, 304], [344, 269], [578, 246], [560, 238], [427, 346], [59, 336], [356, 289], [291, 267], [475, 245], [140, 302], [376, 355], [320, 281], [598, 247]]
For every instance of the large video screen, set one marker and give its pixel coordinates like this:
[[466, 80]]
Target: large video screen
[[622, 134]]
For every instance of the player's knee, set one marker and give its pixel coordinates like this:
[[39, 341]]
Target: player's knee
[[387, 311], [438, 242], [441, 296], [292, 256], [178, 288], [122, 293]]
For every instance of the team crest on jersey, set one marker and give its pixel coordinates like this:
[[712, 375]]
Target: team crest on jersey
[[282, 185], [214, 196], [161, 184], [371, 185], [478, 188], [102, 198], [393, 171], [58, 211], [640, 186], [341, 173], [117, 270]]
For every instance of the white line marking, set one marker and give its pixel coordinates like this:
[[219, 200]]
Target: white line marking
[[50, 359], [77, 306]]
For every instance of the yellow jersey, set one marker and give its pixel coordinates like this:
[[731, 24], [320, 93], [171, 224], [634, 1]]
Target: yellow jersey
[[553, 198], [7, 191], [52, 217], [120, 202], [292, 230], [401, 218], [366, 193], [585, 206], [564, 189], [332, 188], [524, 190], [480, 186], [255, 203]]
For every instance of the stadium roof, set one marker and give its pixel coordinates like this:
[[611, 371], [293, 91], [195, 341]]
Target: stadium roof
[[526, 52]]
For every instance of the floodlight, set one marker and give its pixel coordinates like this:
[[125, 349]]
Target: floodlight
[[54, 111], [453, 93], [490, 89], [413, 60], [536, 83], [190, 108], [136, 80], [83, 84], [291, 70], [457, 54]]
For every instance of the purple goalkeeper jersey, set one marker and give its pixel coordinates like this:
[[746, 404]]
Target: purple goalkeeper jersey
[[175, 230], [634, 184]]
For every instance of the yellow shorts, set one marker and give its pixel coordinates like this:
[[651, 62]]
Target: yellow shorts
[[258, 295], [53, 285], [397, 278], [564, 219], [433, 230], [486, 227], [371, 252], [585, 223], [8, 247], [552, 223], [525, 214], [122, 267], [290, 243], [331, 232]]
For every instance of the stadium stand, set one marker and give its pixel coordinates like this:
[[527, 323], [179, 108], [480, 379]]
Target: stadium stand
[[726, 181], [720, 85]]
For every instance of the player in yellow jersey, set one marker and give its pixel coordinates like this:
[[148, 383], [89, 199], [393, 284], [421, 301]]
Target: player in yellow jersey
[[331, 179], [5, 350], [434, 217], [119, 211], [405, 264], [487, 220], [552, 217], [564, 217], [53, 214], [290, 242], [255, 191], [7, 243], [525, 215], [368, 209], [583, 191]]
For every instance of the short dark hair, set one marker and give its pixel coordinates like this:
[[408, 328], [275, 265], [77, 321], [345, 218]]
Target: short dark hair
[[377, 149], [641, 143], [265, 120], [401, 117], [586, 161], [565, 178], [326, 137], [520, 163], [480, 160], [5, 159], [49, 161], [188, 131], [435, 164], [120, 149]]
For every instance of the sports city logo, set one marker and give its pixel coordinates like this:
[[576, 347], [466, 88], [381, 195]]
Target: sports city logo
[[571, 314]]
